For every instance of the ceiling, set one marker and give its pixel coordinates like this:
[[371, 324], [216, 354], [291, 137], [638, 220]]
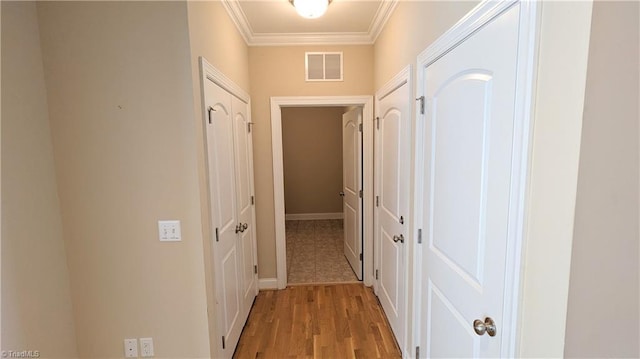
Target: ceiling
[[276, 22]]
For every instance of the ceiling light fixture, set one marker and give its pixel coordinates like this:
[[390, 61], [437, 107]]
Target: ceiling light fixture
[[311, 9]]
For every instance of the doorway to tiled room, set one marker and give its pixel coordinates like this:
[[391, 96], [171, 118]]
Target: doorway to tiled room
[[313, 178]]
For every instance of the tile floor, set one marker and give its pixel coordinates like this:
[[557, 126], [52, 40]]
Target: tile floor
[[315, 253]]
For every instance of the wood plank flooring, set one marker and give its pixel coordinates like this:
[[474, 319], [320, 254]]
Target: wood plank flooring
[[323, 321]]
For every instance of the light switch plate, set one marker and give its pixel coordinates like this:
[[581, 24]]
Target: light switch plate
[[131, 348], [169, 231], [146, 347]]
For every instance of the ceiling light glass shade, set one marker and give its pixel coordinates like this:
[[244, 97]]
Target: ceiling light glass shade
[[311, 9]]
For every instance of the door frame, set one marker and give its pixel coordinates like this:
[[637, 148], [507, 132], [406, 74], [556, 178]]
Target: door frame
[[366, 102], [208, 72], [477, 18]]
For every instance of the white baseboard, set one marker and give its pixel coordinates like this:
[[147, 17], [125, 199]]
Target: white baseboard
[[312, 216], [268, 283]]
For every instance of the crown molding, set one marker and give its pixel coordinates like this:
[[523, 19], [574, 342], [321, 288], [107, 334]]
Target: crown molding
[[381, 17], [239, 18], [331, 38]]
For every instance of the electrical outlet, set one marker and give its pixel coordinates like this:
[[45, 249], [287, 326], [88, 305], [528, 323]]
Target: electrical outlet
[[131, 348], [146, 347], [169, 231]]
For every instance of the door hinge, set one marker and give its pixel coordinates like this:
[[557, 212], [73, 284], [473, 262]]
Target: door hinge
[[376, 274], [223, 344], [217, 235], [255, 269], [253, 200], [360, 127], [360, 194], [209, 110], [377, 123], [249, 126], [360, 256], [417, 352], [421, 99], [377, 201], [419, 236]]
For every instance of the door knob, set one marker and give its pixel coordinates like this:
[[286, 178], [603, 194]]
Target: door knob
[[399, 238], [239, 227], [244, 226], [488, 326], [341, 194]]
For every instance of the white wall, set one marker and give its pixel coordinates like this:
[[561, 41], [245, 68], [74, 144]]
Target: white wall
[[36, 301], [602, 318]]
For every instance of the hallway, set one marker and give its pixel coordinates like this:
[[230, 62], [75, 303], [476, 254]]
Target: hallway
[[315, 252], [327, 321]]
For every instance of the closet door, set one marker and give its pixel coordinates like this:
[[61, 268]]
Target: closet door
[[245, 201], [227, 256]]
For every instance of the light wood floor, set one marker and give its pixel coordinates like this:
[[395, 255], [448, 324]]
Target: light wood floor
[[325, 321]]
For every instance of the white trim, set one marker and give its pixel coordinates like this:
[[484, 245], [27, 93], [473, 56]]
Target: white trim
[[278, 176], [527, 61], [268, 283], [469, 24], [380, 19], [312, 216], [316, 38], [400, 79], [239, 19], [215, 75]]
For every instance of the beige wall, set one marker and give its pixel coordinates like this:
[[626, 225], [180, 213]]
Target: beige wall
[[36, 301], [120, 92], [213, 36], [279, 71], [312, 159], [604, 265]]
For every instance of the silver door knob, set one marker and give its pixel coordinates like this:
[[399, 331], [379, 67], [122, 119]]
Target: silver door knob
[[341, 194], [488, 326], [399, 238]]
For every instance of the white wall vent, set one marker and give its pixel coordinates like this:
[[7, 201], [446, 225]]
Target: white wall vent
[[323, 66]]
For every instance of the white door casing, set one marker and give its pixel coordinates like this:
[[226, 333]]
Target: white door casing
[[351, 186], [366, 102], [470, 175], [391, 214], [229, 163]]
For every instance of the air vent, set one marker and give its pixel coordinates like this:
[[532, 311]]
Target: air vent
[[323, 66]]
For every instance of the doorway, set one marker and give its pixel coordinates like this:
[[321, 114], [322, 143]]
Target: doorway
[[315, 179], [366, 103]]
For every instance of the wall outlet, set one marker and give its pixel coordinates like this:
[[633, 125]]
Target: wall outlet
[[169, 231], [146, 347], [131, 348]]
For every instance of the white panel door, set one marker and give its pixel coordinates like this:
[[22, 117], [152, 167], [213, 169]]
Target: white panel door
[[244, 195], [468, 147], [352, 184], [392, 173], [227, 254]]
